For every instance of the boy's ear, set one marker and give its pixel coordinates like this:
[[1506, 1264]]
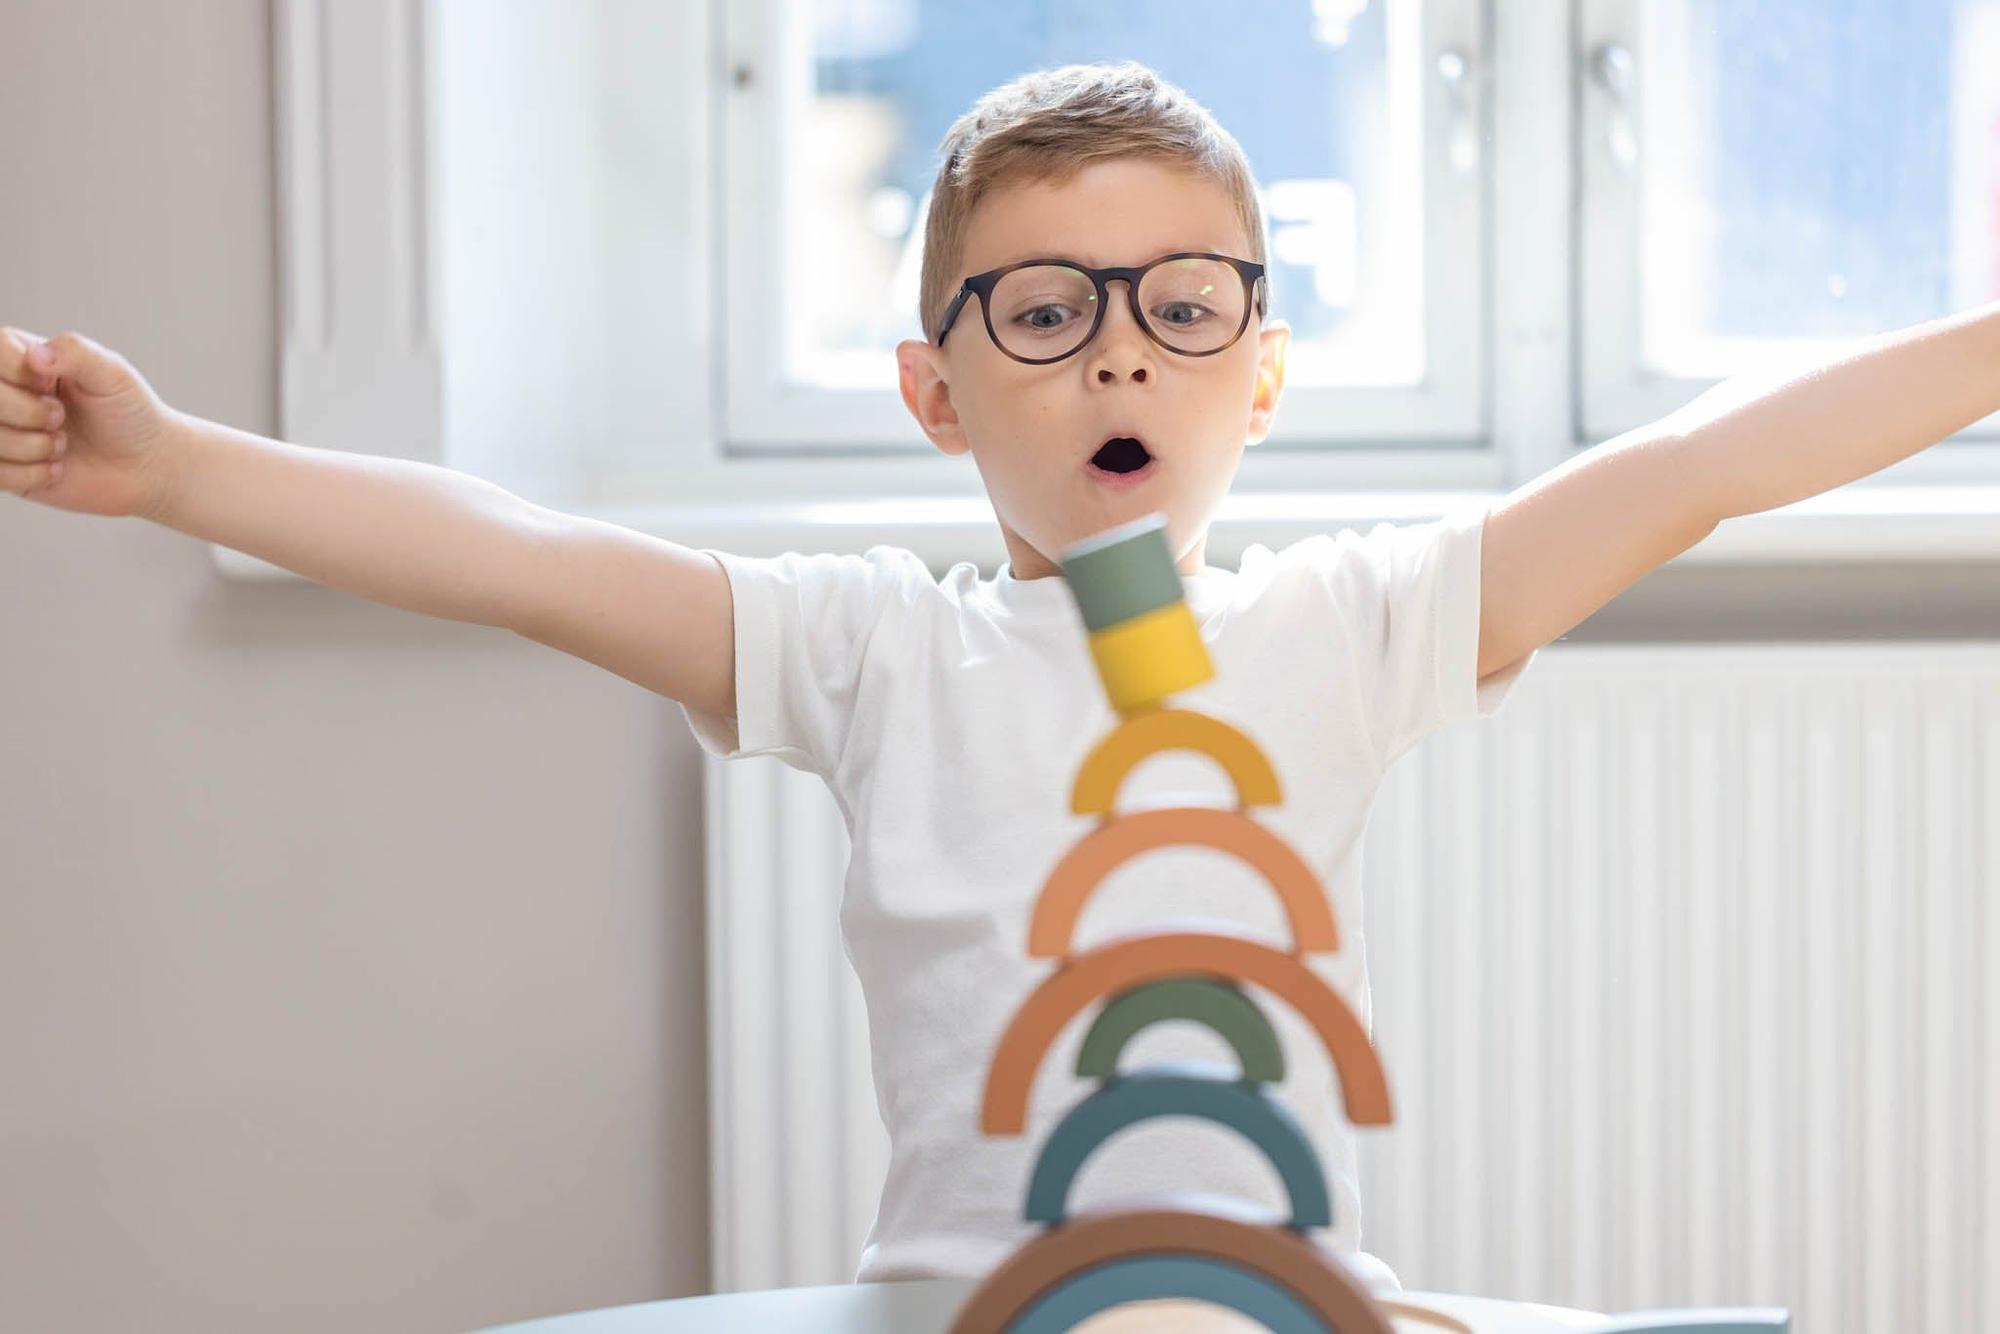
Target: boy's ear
[[920, 372], [1272, 343]]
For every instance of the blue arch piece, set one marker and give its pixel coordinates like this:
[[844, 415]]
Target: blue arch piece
[[1180, 1088], [1166, 1274]]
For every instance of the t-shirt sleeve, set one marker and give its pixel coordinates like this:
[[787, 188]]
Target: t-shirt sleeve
[[1409, 595], [806, 625]]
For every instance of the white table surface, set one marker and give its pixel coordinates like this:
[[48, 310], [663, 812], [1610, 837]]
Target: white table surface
[[926, 1306]]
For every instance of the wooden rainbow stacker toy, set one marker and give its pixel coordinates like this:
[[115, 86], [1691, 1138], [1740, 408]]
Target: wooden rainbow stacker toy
[[1147, 645]]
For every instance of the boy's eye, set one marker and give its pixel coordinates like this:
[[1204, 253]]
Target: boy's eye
[[1182, 313], [1042, 318]]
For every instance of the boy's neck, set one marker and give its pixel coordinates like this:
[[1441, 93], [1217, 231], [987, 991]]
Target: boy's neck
[[1025, 563]]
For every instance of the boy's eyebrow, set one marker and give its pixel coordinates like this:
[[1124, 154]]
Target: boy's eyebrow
[[1091, 264]]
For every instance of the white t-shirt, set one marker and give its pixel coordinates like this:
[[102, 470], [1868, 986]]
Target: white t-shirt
[[949, 716]]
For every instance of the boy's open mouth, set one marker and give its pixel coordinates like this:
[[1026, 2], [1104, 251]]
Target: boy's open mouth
[[1122, 457]]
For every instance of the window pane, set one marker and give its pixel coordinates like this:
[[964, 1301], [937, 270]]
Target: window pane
[[1322, 94], [1813, 169]]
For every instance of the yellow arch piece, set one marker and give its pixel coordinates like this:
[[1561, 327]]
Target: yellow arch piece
[[1104, 770]]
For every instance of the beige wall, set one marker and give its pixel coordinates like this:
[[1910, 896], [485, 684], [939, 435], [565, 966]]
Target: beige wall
[[350, 962]]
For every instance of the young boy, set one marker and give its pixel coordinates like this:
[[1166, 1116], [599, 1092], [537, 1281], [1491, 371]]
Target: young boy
[[948, 715]]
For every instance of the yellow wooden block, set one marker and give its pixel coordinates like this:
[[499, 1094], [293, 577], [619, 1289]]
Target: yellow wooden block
[[1149, 657]]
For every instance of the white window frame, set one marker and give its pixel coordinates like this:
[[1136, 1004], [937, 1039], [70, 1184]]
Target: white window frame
[[352, 89], [1618, 392], [360, 365], [769, 93]]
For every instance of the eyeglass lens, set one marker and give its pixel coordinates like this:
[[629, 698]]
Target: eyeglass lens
[[1046, 310]]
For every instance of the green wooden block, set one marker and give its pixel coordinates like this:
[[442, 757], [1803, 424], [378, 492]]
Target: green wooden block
[[1122, 572]]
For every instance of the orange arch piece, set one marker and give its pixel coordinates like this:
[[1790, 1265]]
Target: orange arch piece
[[1207, 949], [1115, 842], [1104, 770]]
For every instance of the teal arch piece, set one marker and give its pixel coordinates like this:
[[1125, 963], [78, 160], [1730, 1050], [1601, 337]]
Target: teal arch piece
[[1199, 1089], [1221, 1005], [1166, 1274]]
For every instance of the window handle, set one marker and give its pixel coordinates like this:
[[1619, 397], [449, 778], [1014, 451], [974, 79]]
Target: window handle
[[1462, 128], [1611, 70]]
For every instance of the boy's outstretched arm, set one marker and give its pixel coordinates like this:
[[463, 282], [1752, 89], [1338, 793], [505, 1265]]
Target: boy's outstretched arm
[[81, 430], [1563, 545], [444, 543], [655, 612]]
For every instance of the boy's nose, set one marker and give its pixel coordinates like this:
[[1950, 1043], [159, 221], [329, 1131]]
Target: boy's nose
[[1121, 347]]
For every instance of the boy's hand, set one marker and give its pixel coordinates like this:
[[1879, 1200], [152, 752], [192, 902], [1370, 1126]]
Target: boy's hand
[[80, 429]]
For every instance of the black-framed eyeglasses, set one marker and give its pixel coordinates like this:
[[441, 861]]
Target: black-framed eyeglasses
[[1042, 310]]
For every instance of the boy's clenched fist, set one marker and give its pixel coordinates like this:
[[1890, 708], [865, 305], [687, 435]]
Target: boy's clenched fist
[[80, 429]]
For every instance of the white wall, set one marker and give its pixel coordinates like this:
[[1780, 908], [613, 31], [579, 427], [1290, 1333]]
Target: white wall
[[350, 962]]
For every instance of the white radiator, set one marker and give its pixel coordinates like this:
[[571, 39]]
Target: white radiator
[[1682, 982]]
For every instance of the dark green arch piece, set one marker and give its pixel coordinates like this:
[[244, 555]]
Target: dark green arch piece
[[1219, 1004]]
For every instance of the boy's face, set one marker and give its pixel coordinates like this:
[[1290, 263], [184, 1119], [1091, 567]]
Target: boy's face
[[1032, 430]]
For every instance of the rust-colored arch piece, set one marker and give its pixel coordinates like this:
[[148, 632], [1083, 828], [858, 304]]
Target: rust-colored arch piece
[[1209, 949], [1097, 854], [1214, 1227]]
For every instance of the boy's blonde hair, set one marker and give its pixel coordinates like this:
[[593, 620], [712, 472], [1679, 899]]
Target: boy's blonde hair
[[1048, 125]]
